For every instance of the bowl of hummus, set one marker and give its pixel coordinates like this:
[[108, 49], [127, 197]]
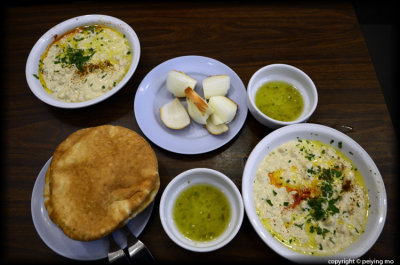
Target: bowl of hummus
[[82, 61], [313, 194]]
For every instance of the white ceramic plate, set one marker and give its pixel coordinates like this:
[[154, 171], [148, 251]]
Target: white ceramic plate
[[40, 46], [194, 139], [361, 159], [55, 238]]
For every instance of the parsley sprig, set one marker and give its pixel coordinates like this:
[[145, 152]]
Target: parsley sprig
[[73, 56], [324, 206]]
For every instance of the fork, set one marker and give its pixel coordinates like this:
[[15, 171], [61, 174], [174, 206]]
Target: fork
[[137, 251], [115, 254]]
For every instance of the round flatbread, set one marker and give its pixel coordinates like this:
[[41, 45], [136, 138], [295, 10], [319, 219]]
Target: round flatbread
[[99, 178]]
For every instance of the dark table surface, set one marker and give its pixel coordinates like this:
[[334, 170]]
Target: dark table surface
[[322, 39]]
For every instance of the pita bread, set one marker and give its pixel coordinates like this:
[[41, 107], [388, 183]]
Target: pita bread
[[99, 178]]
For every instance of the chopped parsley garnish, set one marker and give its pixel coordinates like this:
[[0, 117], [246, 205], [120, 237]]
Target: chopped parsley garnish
[[324, 206], [77, 57], [319, 230], [90, 28], [332, 209], [317, 211], [326, 189], [299, 226]]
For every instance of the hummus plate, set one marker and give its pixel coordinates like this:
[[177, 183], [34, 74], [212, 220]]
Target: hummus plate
[[40, 47], [362, 161]]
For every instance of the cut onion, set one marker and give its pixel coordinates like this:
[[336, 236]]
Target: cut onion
[[174, 115], [224, 109], [198, 108], [216, 129], [216, 85], [178, 81]]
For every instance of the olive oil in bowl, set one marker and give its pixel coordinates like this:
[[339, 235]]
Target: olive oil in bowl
[[280, 101], [202, 212]]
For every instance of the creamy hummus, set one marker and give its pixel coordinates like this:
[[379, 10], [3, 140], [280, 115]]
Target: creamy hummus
[[85, 63], [310, 197]]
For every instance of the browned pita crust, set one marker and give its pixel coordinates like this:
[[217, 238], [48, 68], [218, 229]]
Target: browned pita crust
[[98, 179]]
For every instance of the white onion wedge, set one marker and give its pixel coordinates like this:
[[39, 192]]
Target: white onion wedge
[[216, 85], [178, 81], [198, 108], [174, 115], [224, 109], [216, 129]]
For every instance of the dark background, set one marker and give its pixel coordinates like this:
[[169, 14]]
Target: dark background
[[377, 22]]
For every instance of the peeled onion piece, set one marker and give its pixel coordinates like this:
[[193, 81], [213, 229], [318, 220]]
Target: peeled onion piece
[[178, 81], [216, 129], [224, 109], [174, 115], [198, 108], [216, 85]]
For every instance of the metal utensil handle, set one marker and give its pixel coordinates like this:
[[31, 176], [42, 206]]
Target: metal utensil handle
[[116, 255], [137, 251]]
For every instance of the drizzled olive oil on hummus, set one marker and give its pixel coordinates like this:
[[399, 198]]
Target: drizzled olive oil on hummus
[[85, 63], [310, 197]]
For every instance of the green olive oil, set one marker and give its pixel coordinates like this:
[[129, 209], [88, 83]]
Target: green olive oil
[[201, 212], [279, 100]]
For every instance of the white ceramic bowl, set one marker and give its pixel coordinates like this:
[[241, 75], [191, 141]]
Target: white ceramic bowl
[[288, 74], [193, 177], [39, 48], [363, 162]]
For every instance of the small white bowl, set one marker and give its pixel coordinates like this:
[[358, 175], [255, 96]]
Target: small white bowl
[[201, 176], [32, 64], [362, 161], [288, 74]]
